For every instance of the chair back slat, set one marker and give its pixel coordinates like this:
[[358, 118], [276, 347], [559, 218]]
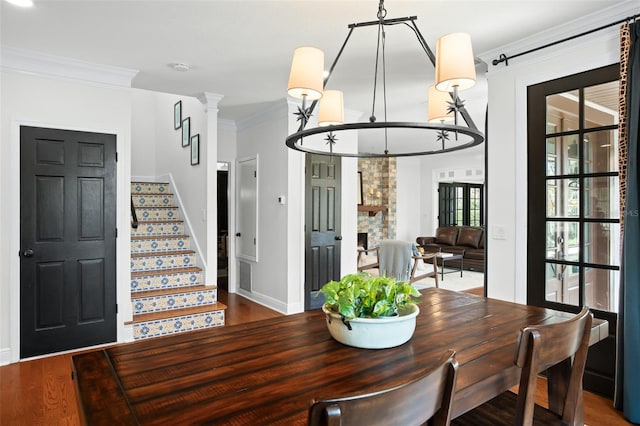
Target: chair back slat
[[552, 347], [428, 396]]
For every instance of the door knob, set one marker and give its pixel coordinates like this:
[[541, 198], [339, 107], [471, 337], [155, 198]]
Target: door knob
[[238, 234], [27, 253], [338, 237]]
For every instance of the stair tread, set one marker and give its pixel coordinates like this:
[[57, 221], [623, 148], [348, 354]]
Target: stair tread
[[158, 237], [156, 207], [160, 221], [156, 272], [172, 290], [161, 253], [136, 194], [173, 313], [149, 183]]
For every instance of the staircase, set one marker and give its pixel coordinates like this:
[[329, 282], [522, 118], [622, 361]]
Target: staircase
[[168, 295]]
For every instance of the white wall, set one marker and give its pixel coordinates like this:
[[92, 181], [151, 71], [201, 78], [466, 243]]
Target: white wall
[[409, 190], [157, 151], [461, 166], [507, 160], [55, 102]]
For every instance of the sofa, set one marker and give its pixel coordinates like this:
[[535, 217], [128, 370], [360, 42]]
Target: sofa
[[469, 241]]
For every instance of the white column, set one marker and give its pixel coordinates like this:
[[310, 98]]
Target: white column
[[209, 143]]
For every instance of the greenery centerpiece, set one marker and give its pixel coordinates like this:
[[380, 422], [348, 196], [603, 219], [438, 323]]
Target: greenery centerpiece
[[370, 312]]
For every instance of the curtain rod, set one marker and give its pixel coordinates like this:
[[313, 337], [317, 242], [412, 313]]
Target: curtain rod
[[504, 58]]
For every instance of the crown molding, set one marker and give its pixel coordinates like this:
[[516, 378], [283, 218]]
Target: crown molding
[[210, 100], [45, 65], [567, 29]]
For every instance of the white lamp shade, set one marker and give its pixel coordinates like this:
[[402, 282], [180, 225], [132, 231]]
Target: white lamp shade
[[305, 78], [331, 109], [454, 62], [438, 106]]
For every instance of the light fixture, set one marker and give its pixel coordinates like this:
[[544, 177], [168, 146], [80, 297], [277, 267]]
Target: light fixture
[[454, 71]]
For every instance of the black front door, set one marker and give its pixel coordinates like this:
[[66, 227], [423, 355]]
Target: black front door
[[67, 240], [322, 226]]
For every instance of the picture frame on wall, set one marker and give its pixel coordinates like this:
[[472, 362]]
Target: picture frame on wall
[[195, 149], [186, 131], [177, 115], [360, 202]]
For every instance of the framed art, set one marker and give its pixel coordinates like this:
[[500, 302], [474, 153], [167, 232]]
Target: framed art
[[195, 149], [177, 115], [186, 131], [360, 188]]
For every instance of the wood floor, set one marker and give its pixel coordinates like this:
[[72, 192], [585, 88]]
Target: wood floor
[[41, 392]]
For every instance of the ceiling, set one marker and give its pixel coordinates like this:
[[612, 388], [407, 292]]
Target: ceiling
[[242, 49]]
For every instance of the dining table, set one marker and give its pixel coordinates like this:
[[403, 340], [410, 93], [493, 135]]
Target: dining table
[[268, 372]]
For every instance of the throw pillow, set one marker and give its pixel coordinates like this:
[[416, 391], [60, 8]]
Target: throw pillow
[[470, 237], [447, 235]]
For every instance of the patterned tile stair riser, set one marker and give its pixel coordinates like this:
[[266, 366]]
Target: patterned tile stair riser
[[167, 288], [178, 325], [160, 244], [145, 305], [160, 261], [158, 227], [164, 281]]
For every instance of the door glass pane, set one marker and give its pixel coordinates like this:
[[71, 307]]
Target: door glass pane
[[562, 112], [571, 192], [552, 198], [600, 151], [552, 158], [562, 283], [602, 243], [563, 241], [601, 197], [601, 105], [601, 289]]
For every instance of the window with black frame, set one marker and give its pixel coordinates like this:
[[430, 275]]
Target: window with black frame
[[460, 204]]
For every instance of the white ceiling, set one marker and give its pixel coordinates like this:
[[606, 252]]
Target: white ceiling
[[242, 49]]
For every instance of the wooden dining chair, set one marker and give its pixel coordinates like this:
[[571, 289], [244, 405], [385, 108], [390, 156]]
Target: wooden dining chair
[[428, 396], [560, 349]]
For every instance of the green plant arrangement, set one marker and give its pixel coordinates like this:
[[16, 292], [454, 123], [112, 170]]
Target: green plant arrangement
[[363, 296]]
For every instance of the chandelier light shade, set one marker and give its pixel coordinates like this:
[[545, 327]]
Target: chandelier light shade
[[454, 71], [331, 109], [305, 79], [455, 68], [438, 110]]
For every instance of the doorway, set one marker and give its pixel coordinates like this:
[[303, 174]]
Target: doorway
[[67, 239], [223, 225]]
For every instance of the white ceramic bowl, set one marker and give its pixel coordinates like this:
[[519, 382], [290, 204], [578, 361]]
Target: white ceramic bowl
[[373, 333]]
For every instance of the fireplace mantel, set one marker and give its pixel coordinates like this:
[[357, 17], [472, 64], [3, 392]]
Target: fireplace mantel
[[372, 210]]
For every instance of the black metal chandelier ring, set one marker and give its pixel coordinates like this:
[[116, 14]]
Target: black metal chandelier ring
[[294, 141]]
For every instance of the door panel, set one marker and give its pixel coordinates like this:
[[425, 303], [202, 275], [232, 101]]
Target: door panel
[[322, 225], [68, 240]]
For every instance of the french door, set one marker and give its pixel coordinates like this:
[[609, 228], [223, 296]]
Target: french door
[[574, 214]]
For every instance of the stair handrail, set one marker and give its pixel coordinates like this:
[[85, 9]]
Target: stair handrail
[[134, 216]]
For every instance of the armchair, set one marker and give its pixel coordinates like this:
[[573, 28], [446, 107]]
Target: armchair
[[399, 260]]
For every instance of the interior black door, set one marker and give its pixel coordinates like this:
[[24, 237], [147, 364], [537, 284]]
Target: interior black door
[[322, 226], [67, 240]]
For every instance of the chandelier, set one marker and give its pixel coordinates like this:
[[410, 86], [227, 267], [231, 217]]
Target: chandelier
[[454, 72]]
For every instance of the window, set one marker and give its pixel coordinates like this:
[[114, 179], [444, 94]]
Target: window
[[460, 204]]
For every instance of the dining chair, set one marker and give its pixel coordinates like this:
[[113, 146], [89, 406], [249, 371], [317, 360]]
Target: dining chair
[[560, 349], [399, 260], [427, 396]]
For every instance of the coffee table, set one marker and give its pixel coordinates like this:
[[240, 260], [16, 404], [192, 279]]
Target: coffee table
[[444, 257]]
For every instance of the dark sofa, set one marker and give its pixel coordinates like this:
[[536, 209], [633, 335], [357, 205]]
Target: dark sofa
[[465, 240]]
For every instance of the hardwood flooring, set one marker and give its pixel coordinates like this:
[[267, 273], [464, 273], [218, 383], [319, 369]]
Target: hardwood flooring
[[41, 391]]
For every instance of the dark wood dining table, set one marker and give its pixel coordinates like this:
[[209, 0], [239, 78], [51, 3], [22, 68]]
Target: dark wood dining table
[[268, 372]]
